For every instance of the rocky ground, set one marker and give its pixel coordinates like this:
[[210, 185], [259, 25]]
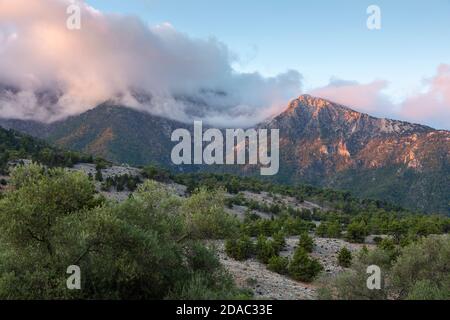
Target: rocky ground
[[239, 212], [265, 197], [109, 172], [265, 284], [89, 168]]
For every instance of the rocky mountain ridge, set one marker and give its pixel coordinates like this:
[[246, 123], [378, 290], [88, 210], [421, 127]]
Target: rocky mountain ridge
[[321, 143]]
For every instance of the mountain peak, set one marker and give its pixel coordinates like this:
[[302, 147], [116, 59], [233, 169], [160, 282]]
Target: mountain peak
[[313, 114], [313, 103]]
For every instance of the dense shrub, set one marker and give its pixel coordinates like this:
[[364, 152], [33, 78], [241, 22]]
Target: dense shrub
[[240, 249], [389, 246], [344, 258], [356, 232], [278, 264], [422, 269], [306, 242], [206, 217], [156, 173], [419, 272], [279, 241], [142, 248], [265, 249], [428, 290], [302, 267], [98, 175], [329, 229], [120, 183]]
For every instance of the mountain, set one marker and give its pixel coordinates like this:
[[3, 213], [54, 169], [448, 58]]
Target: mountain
[[328, 144], [18, 146], [117, 133], [321, 143]]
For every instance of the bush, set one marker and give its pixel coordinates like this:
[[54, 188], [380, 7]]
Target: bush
[[265, 249], [98, 175], [352, 284], [201, 258], [427, 290], [344, 258], [142, 248], [201, 286], [329, 230], [422, 269], [206, 216], [156, 173], [306, 242], [302, 267], [278, 264], [420, 272], [279, 240], [241, 249], [390, 248], [356, 232]]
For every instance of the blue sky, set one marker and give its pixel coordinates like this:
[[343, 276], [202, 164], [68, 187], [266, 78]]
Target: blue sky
[[321, 39], [284, 48]]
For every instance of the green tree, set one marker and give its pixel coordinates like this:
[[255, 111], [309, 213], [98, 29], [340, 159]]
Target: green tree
[[428, 290], [421, 269], [389, 246], [356, 232], [240, 249], [278, 264], [352, 284], [420, 272], [302, 267], [141, 248], [265, 249], [98, 175], [344, 257], [306, 242], [279, 240], [329, 229], [206, 216]]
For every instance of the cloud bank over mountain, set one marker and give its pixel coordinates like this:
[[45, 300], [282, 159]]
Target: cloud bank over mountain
[[431, 106], [52, 72], [48, 72]]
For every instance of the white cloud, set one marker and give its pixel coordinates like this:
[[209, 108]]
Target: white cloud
[[430, 106], [114, 56]]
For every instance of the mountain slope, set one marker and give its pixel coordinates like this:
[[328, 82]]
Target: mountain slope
[[119, 134], [331, 145], [321, 143], [15, 146]]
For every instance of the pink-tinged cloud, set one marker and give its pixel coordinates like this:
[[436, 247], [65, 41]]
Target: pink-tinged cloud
[[366, 98], [115, 56], [431, 107]]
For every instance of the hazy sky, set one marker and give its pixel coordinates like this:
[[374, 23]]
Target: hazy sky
[[241, 61], [321, 38]]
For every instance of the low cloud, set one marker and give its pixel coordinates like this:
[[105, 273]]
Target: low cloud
[[430, 107], [368, 98], [48, 72]]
